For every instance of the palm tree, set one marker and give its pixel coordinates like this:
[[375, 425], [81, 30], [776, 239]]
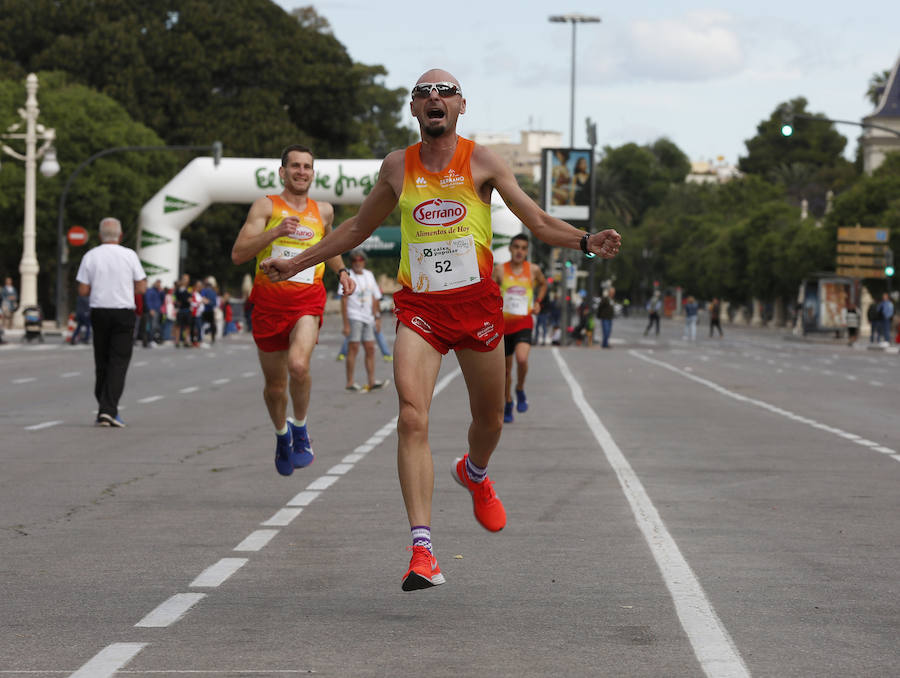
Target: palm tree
[[611, 196], [877, 83]]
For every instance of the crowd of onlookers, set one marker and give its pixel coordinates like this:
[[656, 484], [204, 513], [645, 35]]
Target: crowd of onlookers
[[187, 314]]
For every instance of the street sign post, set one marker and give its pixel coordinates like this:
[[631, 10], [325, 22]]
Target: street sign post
[[77, 236], [862, 252]]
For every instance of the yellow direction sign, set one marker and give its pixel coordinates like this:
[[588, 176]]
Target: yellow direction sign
[[859, 248], [857, 272], [860, 234]]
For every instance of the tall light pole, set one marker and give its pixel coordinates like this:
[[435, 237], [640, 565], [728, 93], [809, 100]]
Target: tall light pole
[[28, 268], [574, 19]]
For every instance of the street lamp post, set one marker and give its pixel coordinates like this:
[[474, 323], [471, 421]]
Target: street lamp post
[[34, 132], [574, 19]]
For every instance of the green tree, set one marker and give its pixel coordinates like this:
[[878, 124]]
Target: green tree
[[876, 86], [118, 185], [813, 142]]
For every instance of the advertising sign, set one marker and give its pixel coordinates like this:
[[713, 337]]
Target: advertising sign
[[567, 183]]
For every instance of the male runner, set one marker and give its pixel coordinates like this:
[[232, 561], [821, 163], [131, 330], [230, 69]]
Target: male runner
[[518, 280], [287, 315], [449, 299]]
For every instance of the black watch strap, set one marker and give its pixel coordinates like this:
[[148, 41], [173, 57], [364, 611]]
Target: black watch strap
[[343, 270], [584, 245]]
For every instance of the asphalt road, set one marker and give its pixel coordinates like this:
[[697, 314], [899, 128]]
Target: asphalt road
[[724, 508]]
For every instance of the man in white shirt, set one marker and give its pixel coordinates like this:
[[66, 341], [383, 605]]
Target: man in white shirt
[[362, 319], [111, 275]]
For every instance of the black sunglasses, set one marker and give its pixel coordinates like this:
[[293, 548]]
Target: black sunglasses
[[444, 89]]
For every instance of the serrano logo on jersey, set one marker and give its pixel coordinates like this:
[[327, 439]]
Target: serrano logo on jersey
[[303, 233], [439, 212]]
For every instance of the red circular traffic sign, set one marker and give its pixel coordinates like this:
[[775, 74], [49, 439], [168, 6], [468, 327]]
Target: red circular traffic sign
[[77, 235]]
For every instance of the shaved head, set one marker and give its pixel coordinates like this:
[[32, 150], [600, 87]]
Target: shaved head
[[438, 75]]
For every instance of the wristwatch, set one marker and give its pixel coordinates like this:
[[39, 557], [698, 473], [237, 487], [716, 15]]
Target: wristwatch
[[584, 245]]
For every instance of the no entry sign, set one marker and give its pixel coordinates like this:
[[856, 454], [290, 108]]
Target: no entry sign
[[77, 235]]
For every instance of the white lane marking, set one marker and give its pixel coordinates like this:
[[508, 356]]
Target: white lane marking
[[223, 380], [876, 383], [303, 498], [884, 450], [24, 380], [256, 540], [322, 483], [761, 403], [713, 646], [365, 448], [283, 517], [895, 456], [171, 610], [339, 469], [189, 389], [150, 399], [352, 458], [109, 660], [42, 425], [214, 575], [247, 375], [140, 363], [66, 375], [850, 377]]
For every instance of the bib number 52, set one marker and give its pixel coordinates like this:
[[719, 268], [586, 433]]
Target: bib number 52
[[442, 266]]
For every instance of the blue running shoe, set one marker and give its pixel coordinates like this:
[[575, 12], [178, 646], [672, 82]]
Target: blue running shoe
[[283, 463], [302, 454], [507, 413], [521, 403]]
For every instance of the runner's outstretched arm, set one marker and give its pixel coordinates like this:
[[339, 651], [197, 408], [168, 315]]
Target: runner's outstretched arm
[[375, 209]]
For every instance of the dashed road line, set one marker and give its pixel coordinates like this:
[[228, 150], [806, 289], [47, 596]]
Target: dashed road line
[[24, 380], [189, 389], [43, 425], [283, 517], [768, 406], [109, 660], [256, 540], [171, 610], [217, 574], [151, 399]]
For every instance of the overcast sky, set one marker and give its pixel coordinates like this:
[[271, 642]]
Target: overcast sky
[[702, 74]]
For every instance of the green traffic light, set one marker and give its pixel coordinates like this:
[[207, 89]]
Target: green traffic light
[[889, 271], [568, 264], [787, 129]]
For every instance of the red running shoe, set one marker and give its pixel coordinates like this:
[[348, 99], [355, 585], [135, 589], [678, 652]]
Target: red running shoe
[[423, 570], [488, 509]]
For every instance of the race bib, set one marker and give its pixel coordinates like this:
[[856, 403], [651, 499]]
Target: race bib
[[515, 304], [307, 275], [443, 265]]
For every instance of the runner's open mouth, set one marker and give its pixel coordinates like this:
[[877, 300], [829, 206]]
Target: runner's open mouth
[[436, 114]]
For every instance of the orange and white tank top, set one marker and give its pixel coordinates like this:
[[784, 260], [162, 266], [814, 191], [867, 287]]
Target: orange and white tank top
[[518, 297], [310, 231], [445, 227]]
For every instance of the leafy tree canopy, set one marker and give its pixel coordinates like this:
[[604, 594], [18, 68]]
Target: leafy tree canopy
[[117, 185]]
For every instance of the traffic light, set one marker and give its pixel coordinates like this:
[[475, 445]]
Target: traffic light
[[217, 153], [889, 263], [787, 128], [568, 264]]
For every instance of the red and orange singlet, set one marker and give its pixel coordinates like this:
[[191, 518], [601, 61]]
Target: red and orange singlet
[[445, 226], [518, 298], [295, 293]]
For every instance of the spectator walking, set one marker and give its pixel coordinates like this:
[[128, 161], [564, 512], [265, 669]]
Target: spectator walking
[[82, 319], [197, 304], [690, 319], [208, 315], [111, 275], [654, 309], [184, 319], [153, 302], [606, 312], [851, 321], [715, 317], [362, 319], [886, 315], [228, 316], [9, 302]]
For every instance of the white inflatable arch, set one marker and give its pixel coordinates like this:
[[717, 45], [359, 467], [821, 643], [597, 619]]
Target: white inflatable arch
[[243, 180]]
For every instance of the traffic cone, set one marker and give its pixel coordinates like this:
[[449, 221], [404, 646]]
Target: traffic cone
[[70, 328]]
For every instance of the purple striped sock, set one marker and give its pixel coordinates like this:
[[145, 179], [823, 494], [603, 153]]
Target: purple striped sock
[[476, 473], [421, 536]]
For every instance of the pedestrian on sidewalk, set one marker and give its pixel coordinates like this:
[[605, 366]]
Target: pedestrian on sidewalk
[[654, 309], [690, 319], [362, 319], [111, 275], [715, 317], [606, 312]]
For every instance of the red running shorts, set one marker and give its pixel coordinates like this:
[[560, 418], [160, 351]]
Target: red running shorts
[[469, 318]]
